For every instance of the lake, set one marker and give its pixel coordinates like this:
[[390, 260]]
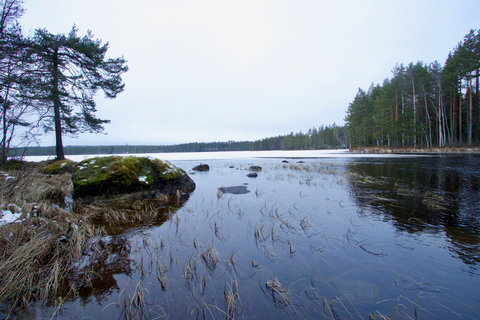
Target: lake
[[315, 235]]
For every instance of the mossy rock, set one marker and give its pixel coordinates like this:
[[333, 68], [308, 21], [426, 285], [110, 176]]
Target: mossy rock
[[201, 167], [113, 175], [59, 167], [255, 168]]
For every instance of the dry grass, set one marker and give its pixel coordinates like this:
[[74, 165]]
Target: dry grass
[[29, 187], [210, 257], [126, 210], [190, 271], [135, 306], [39, 253], [36, 254], [232, 300], [435, 201], [278, 293]]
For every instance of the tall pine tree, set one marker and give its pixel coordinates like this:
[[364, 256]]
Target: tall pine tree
[[70, 70]]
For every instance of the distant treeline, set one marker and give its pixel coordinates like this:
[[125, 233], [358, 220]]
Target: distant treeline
[[325, 137]]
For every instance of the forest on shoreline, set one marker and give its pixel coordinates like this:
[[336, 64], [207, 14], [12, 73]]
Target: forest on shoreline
[[324, 137], [422, 105]]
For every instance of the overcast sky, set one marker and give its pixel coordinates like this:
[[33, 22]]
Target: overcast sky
[[245, 70]]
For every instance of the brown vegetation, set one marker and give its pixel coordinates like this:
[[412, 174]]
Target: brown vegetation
[[383, 150], [38, 253]]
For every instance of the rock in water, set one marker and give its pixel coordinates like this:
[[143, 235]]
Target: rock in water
[[113, 175], [233, 190], [201, 167]]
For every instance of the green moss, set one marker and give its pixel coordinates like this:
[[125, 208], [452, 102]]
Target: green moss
[[102, 169], [58, 167], [14, 165], [116, 174], [167, 170]]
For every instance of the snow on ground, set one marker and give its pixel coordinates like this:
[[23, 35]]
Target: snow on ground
[[6, 216], [6, 176], [230, 155]]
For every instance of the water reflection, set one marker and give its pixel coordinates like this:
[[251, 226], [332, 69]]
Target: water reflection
[[95, 275], [434, 194], [304, 243]]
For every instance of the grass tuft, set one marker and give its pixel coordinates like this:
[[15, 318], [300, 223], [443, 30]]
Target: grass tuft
[[210, 257], [278, 293]]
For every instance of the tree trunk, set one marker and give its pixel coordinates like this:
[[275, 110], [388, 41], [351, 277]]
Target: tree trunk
[[403, 113], [470, 119], [428, 136], [476, 107], [414, 115], [396, 105], [4, 120], [446, 134], [4, 115], [453, 123], [460, 137], [56, 108]]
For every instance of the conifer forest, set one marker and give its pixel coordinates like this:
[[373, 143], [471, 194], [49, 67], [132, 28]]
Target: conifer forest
[[422, 105]]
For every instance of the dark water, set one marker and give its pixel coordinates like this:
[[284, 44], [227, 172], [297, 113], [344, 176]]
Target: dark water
[[328, 238]]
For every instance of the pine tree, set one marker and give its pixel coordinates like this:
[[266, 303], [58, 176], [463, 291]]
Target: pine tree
[[70, 70]]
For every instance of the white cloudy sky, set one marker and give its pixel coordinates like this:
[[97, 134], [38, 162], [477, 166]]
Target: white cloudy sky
[[218, 70]]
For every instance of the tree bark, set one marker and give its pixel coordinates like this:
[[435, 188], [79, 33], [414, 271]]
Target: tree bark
[[428, 136], [476, 107], [460, 136], [4, 120], [453, 123], [470, 119], [56, 108], [414, 115]]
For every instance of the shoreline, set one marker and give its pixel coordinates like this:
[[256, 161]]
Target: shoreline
[[280, 154], [447, 150]]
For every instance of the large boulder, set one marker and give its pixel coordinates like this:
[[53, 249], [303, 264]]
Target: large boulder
[[113, 175]]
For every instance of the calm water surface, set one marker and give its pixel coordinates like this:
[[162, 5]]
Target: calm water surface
[[340, 237]]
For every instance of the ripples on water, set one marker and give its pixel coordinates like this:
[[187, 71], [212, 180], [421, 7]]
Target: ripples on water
[[328, 238]]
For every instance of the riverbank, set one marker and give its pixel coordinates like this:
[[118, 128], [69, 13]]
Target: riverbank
[[44, 234], [383, 150]]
